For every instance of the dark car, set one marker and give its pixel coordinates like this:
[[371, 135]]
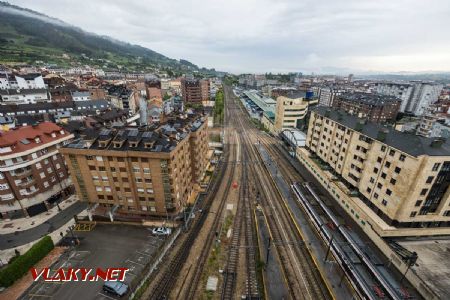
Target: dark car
[[115, 288]]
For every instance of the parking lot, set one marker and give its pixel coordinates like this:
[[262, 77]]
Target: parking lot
[[105, 246]]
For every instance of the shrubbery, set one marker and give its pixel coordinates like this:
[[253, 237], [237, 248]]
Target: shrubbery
[[22, 264]]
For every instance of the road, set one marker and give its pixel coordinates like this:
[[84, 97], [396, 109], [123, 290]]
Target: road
[[19, 238]]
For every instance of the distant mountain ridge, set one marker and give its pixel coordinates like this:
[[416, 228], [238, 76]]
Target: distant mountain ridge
[[28, 36]]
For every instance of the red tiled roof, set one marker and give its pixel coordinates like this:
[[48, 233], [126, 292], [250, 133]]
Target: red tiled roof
[[43, 130]]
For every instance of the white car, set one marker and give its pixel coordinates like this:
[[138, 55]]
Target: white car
[[162, 231]]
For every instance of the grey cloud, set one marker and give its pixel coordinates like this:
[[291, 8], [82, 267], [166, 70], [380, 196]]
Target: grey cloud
[[264, 35]]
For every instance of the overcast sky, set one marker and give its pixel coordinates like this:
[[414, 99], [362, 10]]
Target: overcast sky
[[277, 35]]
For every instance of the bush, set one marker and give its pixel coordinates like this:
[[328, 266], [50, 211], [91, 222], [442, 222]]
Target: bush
[[22, 264]]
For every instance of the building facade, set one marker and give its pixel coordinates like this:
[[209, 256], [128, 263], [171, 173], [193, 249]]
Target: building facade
[[290, 110], [416, 96], [191, 90], [32, 171], [374, 107], [205, 88], [403, 178], [151, 171]]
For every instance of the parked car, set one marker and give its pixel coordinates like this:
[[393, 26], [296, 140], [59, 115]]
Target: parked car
[[162, 231], [116, 288]]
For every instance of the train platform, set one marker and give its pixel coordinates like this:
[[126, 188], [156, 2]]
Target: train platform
[[328, 268]]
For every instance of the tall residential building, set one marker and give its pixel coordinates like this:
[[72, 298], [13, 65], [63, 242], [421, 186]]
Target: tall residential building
[[416, 96], [141, 171], [290, 110], [327, 95], [403, 178], [21, 82], [32, 171], [374, 107], [191, 90], [205, 87]]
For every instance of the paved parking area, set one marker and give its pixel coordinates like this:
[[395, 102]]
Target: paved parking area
[[106, 246]]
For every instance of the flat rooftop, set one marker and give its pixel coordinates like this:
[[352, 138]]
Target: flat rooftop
[[433, 263]]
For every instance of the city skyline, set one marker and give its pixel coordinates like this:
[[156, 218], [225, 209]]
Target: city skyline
[[286, 36]]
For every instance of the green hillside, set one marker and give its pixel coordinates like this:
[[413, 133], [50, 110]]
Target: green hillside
[[27, 37]]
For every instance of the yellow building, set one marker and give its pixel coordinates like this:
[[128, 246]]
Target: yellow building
[[290, 109], [142, 171], [401, 177]]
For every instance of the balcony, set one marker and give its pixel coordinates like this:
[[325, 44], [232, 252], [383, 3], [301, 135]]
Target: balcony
[[22, 172], [26, 183]]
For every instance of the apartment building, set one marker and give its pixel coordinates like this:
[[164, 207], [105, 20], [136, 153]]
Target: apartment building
[[191, 90], [374, 107], [403, 178], [140, 171], [290, 110], [32, 171], [416, 96], [205, 89]]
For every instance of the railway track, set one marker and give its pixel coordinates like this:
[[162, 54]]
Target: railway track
[[303, 278], [244, 226], [164, 285]]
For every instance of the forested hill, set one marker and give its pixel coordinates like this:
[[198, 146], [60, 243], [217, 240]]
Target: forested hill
[[27, 36]]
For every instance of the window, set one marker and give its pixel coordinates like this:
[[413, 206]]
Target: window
[[388, 192], [413, 214], [430, 179], [34, 155], [391, 152], [436, 167], [393, 181], [113, 169], [447, 213], [150, 191], [379, 185], [383, 148], [38, 166], [134, 159], [94, 177], [105, 178], [384, 202], [372, 180], [99, 158], [49, 170], [121, 159], [418, 203], [136, 169], [402, 157], [42, 174], [101, 169], [369, 190], [423, 192], [375, 170], [379, 159], [140, 190], [122, 169], [148, 180], [138, 179], [375, 196], [98, 188], [124, 179], [383, 175], [397, 170], [146, 171], [58, 166], [107, 189], [387, 164], [46, 184], [92, 168]]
